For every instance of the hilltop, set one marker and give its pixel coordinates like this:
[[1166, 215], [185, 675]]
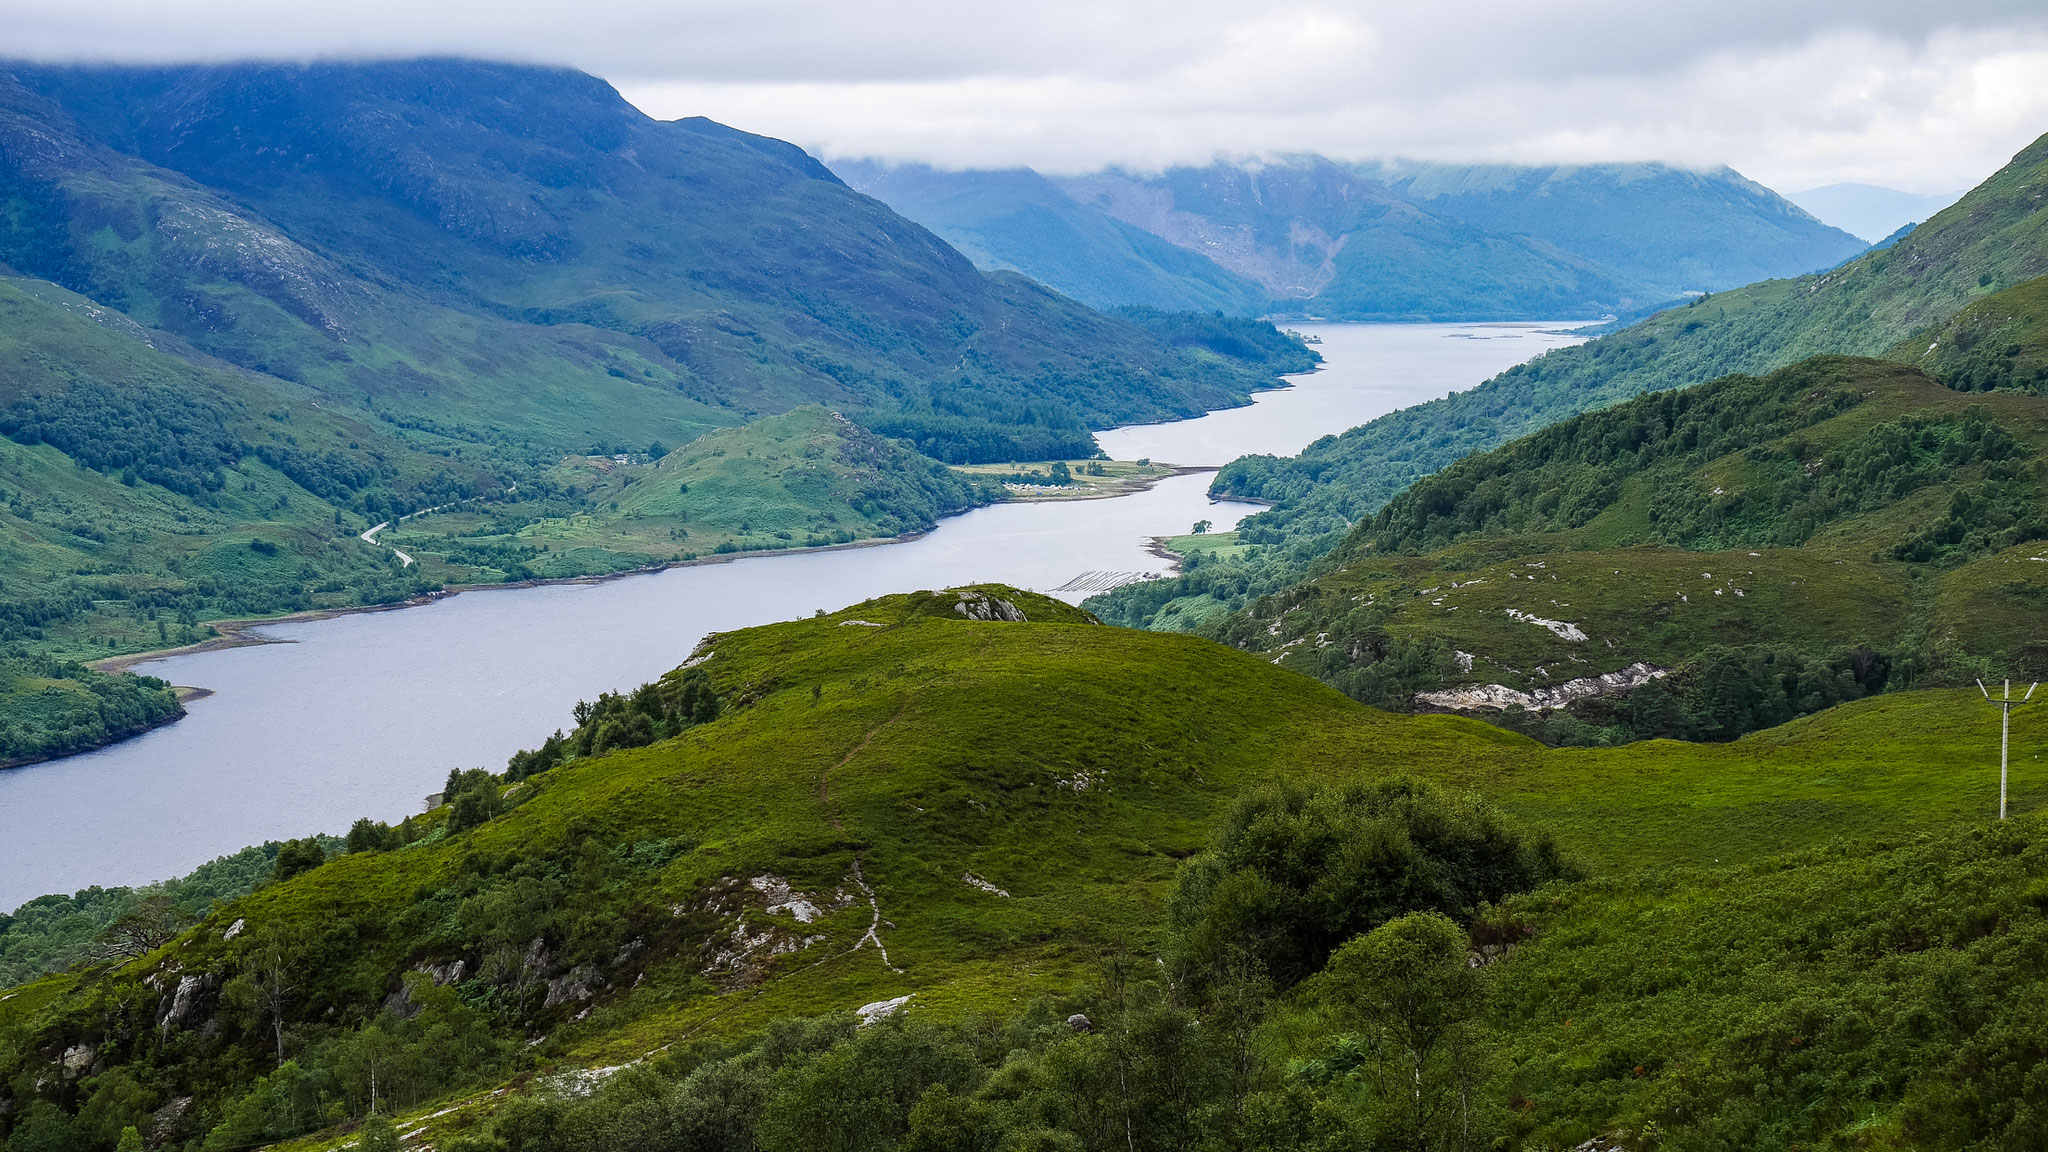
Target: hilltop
[[966, 798]]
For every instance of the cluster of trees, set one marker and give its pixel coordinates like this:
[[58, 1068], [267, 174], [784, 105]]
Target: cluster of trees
[[52, 707], [139, 430], [654, 711], [52, 933]]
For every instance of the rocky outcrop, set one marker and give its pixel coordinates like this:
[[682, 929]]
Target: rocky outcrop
[[1500, 697], [183, 1004], [976, 606]]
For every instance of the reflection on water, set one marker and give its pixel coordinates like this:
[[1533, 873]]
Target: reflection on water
[[365, 714]]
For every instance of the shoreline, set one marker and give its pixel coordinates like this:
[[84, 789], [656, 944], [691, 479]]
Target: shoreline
[[241, 632]]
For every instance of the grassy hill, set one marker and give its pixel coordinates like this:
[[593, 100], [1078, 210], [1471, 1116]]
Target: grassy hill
[[904, 799], [1997, 343], [1779, 543], [1994, 238], [804, 479]]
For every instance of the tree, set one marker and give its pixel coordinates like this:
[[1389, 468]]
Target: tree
[[271, 962], [142, 930], [1296, 872], [1407, 986], [377, 1135], [131, 1140], [297, 856]]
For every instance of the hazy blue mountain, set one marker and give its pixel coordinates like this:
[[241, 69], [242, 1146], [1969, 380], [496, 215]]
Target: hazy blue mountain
[[1331, 242], [1868, 210], [1015, 219], [1674, 229]]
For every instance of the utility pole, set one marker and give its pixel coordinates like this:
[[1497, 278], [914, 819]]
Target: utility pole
[[2005, 704]]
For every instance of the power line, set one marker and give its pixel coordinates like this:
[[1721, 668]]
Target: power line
[[2005, 704]]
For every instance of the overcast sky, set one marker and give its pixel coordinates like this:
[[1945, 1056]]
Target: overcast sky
[[1920, 96]]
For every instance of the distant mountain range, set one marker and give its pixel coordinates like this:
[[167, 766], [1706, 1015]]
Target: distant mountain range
[[1309, 236], [1869, 211]]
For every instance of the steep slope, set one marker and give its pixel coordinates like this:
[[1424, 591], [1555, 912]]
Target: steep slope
[[1019, 220], [492, 247], [926, 797], [1783, 543], [1342, 246], [1997, 343], [1993, 238], [1671, 229]]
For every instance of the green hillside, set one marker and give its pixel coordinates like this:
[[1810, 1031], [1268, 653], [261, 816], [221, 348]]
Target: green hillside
[[1993, 238], [807, 478], [510, 251], [1999, 342], [920, 797], [249, 312], [1779, 544]]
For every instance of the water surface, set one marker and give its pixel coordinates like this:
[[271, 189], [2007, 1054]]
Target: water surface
[[365, 714]]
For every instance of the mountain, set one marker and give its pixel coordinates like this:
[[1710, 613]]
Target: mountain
[[1675, 230], [999, 830], [1387, 240], [497, 249], [1726, 556], [1869, 211], [249, 311], [1328, 241], [1993, 238], [1016, 219]]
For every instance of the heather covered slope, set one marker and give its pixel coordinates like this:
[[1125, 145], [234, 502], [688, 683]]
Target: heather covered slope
[[907, 799], [1778, 544], [1993, 238]]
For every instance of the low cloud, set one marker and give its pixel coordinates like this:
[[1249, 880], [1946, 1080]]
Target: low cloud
[[1907, 94]]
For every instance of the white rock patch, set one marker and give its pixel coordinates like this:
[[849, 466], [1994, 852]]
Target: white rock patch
[[1563, 630]]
